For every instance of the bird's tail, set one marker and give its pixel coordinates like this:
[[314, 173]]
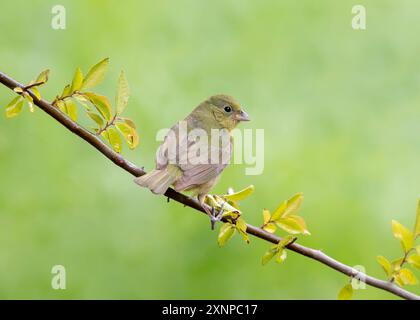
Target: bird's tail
[[158, 181]]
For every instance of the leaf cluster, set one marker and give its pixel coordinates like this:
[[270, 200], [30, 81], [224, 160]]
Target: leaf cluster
[[397, 270], [110, 125], [14, 107], [284, 217], [108, 120]]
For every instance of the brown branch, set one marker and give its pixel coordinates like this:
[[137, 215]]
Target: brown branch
[[187, 201]]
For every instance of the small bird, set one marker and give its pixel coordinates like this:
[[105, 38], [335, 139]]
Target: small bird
[[186, 160]]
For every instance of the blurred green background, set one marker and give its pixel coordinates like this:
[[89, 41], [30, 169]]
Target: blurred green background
[[340, 109]]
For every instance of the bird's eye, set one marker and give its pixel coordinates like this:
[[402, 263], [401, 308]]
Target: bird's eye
[[227, 108]]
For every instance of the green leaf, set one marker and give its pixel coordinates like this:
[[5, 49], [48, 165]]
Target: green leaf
[[114, 139], [82, 100], [241, 227], [270, 227], [36, 92], [293, 224], [129, 133], [403, 234], [414, 260], [407, 276], [123, 93], [101, 103], [281, 255], [96, 74], [288, 207], [62, 106], [398, 280], [240, 195], [71, 109], [66, 91], [396, 264], [269, 255], [30, 101], [14, 107], [226, 232], [18, 90], [266, 216], [386, 265], [105, 135], [417, 225], [97, 118], [241, 224], [284, 242], [77, 82], [346, 293], [129, 122], [43, 77], [231, 215], [226, 206]]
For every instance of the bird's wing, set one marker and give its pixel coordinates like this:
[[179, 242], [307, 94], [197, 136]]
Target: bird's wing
[[172, 146], [175, 149], [198, 174]]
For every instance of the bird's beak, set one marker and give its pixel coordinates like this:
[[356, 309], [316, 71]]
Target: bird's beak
[[242, 116]]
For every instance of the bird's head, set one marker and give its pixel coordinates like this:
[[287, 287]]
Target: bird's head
[[226, 111]]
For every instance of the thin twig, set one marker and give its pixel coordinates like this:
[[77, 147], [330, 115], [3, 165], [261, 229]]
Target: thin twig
[[187, 201]]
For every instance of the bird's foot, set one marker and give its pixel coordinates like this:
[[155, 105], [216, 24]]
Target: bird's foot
[[214, 214]]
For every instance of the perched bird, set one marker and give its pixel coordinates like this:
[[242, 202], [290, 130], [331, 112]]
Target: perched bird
[[189, 159]]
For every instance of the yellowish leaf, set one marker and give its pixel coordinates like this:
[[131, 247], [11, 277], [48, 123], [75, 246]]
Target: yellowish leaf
[[36, 92], [97, 118], [66, 91], [18, 90], [82, 100], [346, 293], [43, 77], [128, 122], [222, 202], [414, 260], [269, 255], [240, 195], [14, 107], [241, 224], [226, 232], [293, 224], [101, 103], [398, 280], [281, 255], [396, 264], [30, 101], [96, 74], [105, 135], [123, 93], [77, 82], [130, 134], [288, 207], [266, 216], [241, 227], [284, 242], [114, 139], [61, 105], [385, 264], [403, 234], [407, 276], [71, 109], [270, 227]]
